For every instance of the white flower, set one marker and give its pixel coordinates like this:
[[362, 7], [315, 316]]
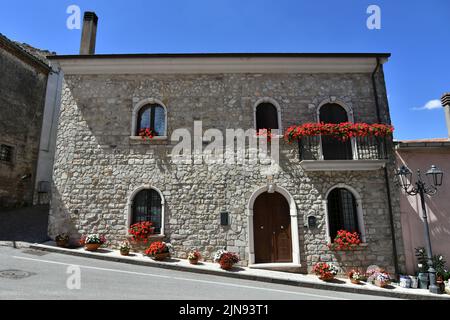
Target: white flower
[[219, 254]]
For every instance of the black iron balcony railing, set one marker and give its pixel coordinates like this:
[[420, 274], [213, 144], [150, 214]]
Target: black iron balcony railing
[[330, 148]]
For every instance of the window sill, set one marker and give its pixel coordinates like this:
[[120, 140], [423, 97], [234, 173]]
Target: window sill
[[154, 140]]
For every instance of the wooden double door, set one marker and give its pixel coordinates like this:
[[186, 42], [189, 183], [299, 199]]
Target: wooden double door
[[272, 229]]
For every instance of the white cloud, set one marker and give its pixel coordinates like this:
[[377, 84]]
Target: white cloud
[[430, 105]]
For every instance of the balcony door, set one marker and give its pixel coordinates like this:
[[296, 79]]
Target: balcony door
[[332, 148]]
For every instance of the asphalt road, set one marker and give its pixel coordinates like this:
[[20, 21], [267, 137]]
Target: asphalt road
[[55, 276]]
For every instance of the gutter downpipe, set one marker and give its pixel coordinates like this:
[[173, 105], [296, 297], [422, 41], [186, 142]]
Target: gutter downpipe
[[386, 176]]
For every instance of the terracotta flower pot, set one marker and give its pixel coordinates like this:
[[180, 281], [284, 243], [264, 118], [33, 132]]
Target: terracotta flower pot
[[124, 252], [327, 278], [226, 265], [193, 261], [381, 284], [160, 256], [62, 243], [354, 281], [92, 246]]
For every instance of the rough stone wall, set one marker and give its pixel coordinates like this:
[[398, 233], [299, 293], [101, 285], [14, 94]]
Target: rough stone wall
[[22, 95], [97, 165]]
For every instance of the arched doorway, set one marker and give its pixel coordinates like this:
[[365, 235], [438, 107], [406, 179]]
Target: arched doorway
[[272, 228]]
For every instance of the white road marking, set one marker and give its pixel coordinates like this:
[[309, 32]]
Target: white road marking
[[184, 279]]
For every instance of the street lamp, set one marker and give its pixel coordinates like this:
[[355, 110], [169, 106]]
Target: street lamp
[[434, 176]]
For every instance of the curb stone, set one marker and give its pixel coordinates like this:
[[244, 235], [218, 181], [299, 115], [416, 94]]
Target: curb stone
[[237, 275], [15, 244]]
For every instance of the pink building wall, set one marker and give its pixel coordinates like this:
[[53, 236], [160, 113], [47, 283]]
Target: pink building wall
[[438, 205]]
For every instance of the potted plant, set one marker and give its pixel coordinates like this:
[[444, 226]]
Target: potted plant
[[125, 248], [193, 257], [447, 286], [62, 240], [92, 242], [140, 235], [382, 279], [226, 259], [325, 271], [147, 133], [158, 250], [141, 231], [405, 281], [439, 266], [355, 276], [423, 267], [345, 240]]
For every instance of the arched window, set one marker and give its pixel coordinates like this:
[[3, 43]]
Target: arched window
[[342, 212], [266, 116], [152, 116], [333, 149], [147, 206]]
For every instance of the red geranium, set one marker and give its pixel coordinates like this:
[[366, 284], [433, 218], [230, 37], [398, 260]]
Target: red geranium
[[265, 133], [156, 247], [342, 131], [345, 240], [325, 270], [141, 231], [147, 133]]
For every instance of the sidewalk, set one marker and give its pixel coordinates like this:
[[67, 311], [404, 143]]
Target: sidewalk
[[294, 279]]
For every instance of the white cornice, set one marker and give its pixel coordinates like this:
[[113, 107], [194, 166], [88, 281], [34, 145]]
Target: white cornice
[[209, 65], [342, 165]]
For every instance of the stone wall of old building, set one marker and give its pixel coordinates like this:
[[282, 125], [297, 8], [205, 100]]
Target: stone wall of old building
[[98, 166], [22, 95]]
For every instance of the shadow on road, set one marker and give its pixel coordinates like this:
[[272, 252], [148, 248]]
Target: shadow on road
[[24, 224]]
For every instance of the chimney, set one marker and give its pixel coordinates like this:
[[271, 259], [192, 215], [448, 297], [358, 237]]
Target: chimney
[[89, 33], [446, 104]]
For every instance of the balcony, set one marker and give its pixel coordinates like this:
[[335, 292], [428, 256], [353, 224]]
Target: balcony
[[324, 153]]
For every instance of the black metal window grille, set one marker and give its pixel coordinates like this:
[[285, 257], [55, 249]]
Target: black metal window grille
[[332, 148], [147, 207], [152, 116], [266, 116], [342, 213], [6, 153]]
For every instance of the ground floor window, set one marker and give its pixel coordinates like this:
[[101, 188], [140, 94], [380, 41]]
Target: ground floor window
[[342, 212], [147, 206]]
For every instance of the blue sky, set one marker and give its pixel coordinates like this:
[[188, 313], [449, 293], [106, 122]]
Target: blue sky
[[417, 33]]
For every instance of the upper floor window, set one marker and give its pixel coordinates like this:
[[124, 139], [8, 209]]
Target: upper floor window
[[6, 153], [266, 116], [342, 212], [152, 116], [333, 149]]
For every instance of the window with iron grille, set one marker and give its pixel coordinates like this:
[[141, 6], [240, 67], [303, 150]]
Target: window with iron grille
[[6, 153], [342, 214], [152, 116], [147, 207]]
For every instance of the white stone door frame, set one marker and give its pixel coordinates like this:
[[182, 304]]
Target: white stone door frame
[[294, 222]]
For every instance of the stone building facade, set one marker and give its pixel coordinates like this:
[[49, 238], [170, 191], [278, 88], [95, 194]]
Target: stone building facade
[[23, 83], [101, 165]]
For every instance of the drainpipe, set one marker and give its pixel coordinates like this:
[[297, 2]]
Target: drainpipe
[[386, 175]]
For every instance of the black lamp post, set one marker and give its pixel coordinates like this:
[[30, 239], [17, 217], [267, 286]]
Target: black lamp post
[[434, 176]]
